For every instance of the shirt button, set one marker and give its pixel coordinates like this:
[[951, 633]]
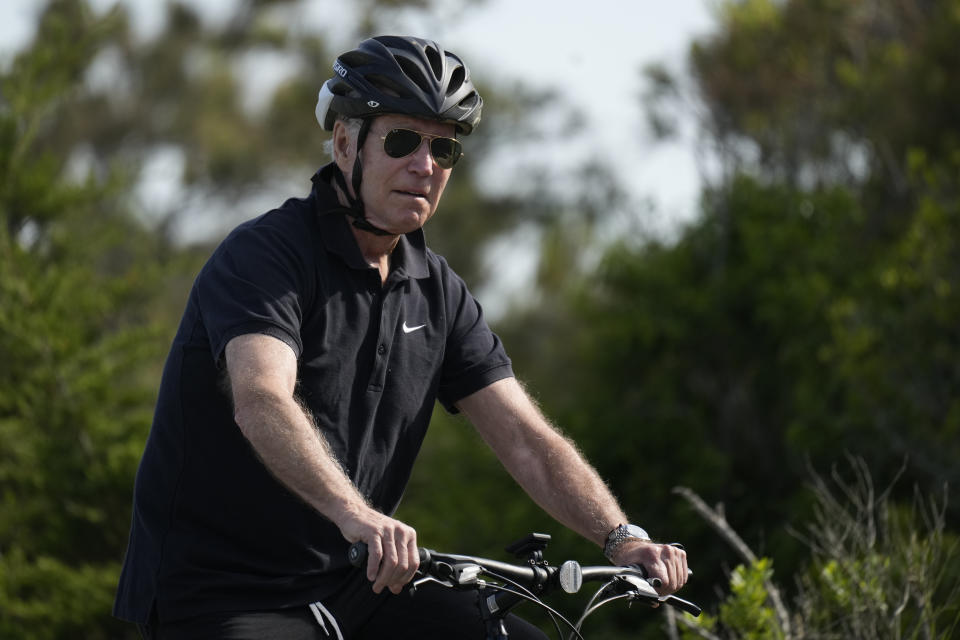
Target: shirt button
[[382, 349]]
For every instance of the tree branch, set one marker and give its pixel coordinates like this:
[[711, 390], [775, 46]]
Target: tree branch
[[716, 519]]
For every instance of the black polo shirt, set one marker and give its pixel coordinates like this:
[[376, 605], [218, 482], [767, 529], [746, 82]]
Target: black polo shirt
[[212, 529]]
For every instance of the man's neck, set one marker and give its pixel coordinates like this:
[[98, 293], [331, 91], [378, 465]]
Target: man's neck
[[376, 250]]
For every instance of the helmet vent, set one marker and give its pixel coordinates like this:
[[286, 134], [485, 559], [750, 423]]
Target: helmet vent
[[470, 101], [436, 62], [412, 71], [456, 80]]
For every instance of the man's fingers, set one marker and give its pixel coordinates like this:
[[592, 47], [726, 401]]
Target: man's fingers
[[396, 559], [374, 557], [388, 565], [408, 558], [671, 564], [414, 557], [675, 561], [682, 575]]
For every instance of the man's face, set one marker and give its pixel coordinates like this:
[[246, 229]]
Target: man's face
[[399, 194]]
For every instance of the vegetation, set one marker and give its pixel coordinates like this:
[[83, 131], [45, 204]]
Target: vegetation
[[877, 570], [808, 313]]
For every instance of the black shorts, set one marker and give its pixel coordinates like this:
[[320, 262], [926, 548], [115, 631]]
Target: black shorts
[[355, 613]]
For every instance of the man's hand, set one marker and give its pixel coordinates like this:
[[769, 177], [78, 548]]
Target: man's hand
[[663, 561], [392, 558]]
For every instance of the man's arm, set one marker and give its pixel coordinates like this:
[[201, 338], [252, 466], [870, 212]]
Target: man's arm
[[263, 375], [554, 473]]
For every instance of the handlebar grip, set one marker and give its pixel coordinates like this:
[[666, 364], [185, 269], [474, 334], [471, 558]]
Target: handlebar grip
[[357, 554], [656, 583]]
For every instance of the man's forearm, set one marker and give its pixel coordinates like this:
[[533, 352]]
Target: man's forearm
[[546, 464], [297, 454], [569, 489]]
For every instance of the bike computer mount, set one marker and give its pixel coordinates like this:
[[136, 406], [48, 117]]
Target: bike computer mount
[[530, 547]]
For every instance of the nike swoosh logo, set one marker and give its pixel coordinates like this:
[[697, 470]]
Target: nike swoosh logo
[[407, 329]]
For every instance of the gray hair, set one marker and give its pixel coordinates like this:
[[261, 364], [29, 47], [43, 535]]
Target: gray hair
[[353, 129]]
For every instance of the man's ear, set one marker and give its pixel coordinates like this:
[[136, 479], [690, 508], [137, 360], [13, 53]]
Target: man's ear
[[343, 147]]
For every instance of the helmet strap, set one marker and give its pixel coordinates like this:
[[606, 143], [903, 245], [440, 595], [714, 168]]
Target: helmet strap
[[356, 208], [357, 168]]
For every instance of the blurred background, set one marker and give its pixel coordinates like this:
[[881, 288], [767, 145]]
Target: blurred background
[[720, 240]]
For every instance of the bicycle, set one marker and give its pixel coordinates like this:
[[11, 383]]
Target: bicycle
[[501, 586]]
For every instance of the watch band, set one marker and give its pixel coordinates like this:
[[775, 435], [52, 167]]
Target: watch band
[[621, 534]]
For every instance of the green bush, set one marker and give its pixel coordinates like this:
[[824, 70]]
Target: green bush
[[877, 569]]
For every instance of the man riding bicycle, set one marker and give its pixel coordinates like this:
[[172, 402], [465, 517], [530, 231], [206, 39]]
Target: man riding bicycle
[[298, 389]]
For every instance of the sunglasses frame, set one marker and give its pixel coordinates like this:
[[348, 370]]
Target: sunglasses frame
[[429, 137]]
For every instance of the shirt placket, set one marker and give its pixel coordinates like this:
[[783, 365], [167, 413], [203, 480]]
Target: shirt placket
[[388, 307]]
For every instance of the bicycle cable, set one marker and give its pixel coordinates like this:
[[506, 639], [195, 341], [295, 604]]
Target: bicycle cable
[[590, 609], [553, 613]]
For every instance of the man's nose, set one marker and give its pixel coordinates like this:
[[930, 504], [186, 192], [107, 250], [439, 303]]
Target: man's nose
[[421, 160]]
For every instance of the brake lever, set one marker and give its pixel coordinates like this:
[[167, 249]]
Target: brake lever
[[426, 580], [656, 583], [627, 583], [683, 605], [456, 576], [639, 588]]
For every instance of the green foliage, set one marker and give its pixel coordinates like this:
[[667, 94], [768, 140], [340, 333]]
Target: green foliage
[[746, 612], [878, 569], [81, 289], [794, 88], [810, 310], [44, 598], [761, 339]]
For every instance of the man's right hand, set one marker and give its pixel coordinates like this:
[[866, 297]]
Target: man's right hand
[[392, 558]]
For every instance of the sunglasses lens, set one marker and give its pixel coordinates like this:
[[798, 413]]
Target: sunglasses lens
[[445, 151], [401, 142]]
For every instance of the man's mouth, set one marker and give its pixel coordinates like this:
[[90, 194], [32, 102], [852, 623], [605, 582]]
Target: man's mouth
[[415, 194]]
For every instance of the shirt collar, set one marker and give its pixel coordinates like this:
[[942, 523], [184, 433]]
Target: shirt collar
[[409, 257]]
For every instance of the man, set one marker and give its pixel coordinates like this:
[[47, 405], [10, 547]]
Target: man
[[313, 348]]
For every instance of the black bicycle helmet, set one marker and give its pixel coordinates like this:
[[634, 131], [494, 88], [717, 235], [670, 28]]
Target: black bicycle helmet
[[395, 75], [403, 75]]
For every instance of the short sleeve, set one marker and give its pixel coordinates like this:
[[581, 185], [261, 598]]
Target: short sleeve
[[256, 282]]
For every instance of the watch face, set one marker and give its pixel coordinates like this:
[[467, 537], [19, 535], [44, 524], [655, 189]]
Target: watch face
[[634, 531], [621, 534]]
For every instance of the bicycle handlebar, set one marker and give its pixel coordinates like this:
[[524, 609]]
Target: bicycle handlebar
[[464, 572]]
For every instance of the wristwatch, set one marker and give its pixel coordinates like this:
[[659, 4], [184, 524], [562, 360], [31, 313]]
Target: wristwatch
[[620, 535]]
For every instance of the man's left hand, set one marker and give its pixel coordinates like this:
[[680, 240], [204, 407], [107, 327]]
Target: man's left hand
[[663, 561]]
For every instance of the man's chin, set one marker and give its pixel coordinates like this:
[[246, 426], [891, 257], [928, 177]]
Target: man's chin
[[403, 222]]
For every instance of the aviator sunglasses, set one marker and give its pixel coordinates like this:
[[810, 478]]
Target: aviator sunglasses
[[399, 143]]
